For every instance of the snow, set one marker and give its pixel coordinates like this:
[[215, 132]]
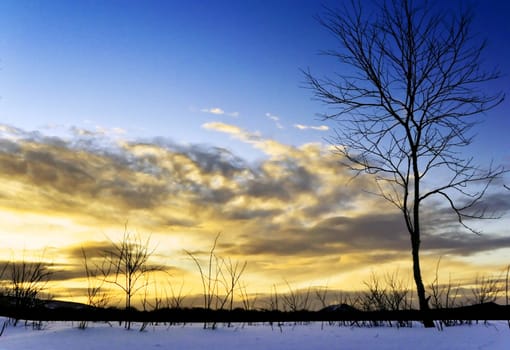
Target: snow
[[66, 335]]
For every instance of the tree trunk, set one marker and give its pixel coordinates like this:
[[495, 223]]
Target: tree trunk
[[420, 289], [416, 232]]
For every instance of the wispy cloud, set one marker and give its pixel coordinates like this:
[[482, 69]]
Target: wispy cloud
[[268, 146], [99, 131], [214, 110], [311, 127], [275, 119], [219, 111], [226, 128]]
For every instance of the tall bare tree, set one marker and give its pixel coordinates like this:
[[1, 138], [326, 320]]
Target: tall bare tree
[[405, 103]]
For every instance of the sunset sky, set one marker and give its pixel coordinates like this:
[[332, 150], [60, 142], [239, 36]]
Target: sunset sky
[[188, 118]]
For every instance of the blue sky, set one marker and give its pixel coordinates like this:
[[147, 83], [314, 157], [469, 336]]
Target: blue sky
[[186, 118], [151, 67]]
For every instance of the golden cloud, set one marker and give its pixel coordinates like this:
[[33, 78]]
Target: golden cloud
[[296, 213]]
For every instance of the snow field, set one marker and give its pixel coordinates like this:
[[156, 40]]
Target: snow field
[[99, 336]]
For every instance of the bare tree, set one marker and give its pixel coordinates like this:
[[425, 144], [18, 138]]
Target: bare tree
[[274, 304], [443, 296], [485, 289], [405, 106], [397, 297], [96, 297], [209, 277], [230, 279], [219, 272], [126, 264], [24, 281], [3, 286], [247, 300], [176, 299], [27, 281], [322, 294], [296, 300], [375, 298]]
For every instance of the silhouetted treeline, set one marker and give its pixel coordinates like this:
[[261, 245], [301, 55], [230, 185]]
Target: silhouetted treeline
[[57, 311]]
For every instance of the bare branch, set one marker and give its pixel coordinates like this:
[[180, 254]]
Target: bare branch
[[407, 106], [126, 263]]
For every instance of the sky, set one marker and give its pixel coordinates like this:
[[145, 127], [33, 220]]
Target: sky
[[181, 119]]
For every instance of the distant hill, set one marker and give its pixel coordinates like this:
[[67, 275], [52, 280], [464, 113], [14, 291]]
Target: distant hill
[[8, 302]]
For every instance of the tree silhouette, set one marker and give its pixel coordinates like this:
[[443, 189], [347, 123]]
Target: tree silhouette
[[405, 105], [125, 264]]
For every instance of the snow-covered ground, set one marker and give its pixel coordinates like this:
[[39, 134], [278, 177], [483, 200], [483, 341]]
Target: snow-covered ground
[[66, 335]]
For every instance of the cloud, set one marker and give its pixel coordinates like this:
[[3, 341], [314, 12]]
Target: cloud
[[215, 110], [366, 236], [275, 119], [268, 146], [219, 111], [92, 175], [292, 180], [226, 128], [92, 250], [311, 127], [272, 117], [8, 130], [51, 271], [334, 235], [294, 211]]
